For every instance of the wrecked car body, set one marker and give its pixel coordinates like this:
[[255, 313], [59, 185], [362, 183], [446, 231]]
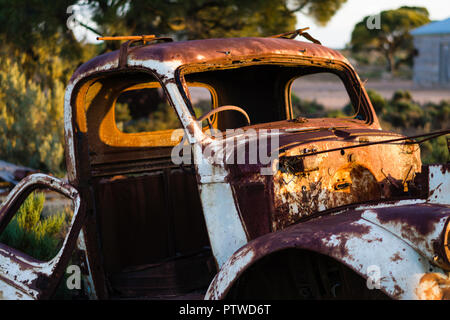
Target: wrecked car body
[[11, 174], [341, 209]]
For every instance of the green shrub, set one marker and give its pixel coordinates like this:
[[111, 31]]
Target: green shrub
[[39, 237], [122, 114], [437, 115], [401, 114], [163, 118], [435, 151], [31, 120], [306, 108], [378, 102]]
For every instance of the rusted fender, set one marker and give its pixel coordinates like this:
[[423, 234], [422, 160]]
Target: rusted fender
[[390, 236]]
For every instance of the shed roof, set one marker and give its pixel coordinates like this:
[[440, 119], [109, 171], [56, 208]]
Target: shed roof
[[433, 28]]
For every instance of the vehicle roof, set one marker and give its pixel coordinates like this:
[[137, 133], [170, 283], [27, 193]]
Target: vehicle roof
[[196, 51]]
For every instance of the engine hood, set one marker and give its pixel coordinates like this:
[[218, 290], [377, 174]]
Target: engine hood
[[302, 182]]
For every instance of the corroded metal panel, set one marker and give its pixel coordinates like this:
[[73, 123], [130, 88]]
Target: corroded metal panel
[[350, 238]]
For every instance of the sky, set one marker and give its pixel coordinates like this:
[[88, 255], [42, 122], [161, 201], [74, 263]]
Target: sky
[[337, 33]]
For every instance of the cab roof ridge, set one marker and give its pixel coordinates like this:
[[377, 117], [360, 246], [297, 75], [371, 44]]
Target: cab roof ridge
[[204, 50]]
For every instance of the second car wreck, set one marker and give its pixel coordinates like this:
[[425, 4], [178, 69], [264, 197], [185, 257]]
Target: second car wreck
[[343, 209]]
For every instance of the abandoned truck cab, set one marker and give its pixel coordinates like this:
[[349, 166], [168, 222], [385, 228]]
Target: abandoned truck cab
[[245, 197]]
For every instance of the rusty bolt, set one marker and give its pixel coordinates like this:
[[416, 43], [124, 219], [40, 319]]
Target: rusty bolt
[[437, 260]]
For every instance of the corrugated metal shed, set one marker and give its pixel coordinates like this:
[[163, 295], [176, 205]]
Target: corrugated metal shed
[[432, 64]]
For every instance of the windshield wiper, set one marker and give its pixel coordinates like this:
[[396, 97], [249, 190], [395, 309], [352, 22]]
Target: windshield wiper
[[428, 136]]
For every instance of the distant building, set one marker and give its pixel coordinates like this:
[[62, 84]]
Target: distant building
[[432, 64]]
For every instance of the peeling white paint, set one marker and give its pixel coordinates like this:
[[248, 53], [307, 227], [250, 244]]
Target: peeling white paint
[[232, 267], [88, 281], [401, 266], [8, 292], [225, 229], [439, 184], [391, 204], [392, 255], [165, 69], [424, 245]]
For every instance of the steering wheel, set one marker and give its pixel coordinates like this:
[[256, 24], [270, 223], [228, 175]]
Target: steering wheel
[[220, 109]]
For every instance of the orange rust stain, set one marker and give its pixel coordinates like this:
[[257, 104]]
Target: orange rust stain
[[304, 185], [434, 286]]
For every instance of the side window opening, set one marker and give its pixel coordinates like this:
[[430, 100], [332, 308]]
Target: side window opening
[[145, 110], [321, 95], [40, 225], [201, 99]]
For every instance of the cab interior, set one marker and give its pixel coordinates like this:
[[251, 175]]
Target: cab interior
[[152, 235]]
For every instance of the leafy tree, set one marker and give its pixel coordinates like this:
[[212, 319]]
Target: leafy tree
[[393, 39], [38, 56], [199, 19], [36, 31], [321, 10], [31, 120]]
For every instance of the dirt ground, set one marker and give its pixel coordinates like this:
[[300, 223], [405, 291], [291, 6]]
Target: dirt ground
[[333, 95]]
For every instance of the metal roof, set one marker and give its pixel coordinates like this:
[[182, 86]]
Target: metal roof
[[436, 27]]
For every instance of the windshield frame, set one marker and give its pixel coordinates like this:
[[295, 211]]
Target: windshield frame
[[349, 78]]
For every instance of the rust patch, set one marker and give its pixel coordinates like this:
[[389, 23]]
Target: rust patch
[[306, 184], [398, 291], [396, 257], [445, 168], [412, 218], [433, 286], [330, 234]]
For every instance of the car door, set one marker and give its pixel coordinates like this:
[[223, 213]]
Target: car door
[[21, 276]]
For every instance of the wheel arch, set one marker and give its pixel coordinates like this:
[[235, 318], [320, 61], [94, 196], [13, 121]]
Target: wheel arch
[[347, 238]]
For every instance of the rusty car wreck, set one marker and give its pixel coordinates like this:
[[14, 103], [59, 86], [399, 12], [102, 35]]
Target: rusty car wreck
[[345, 198]]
